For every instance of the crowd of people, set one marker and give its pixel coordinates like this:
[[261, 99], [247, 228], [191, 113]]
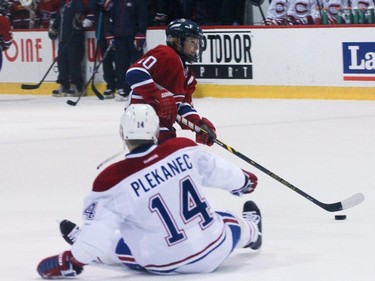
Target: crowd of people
[[120, 27], [26, 14], [302, 12]]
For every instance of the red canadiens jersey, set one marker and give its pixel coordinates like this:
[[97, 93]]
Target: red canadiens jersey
[[6, 38], [48, 9], [161, 69]]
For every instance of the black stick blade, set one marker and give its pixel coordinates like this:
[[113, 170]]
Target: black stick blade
[[96, 92], [30, 87], [72, 103]]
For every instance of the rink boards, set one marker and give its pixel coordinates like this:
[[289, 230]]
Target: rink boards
[[323, 62]]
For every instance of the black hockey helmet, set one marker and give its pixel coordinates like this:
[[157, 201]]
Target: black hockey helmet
[[181, 29], [4, 7]]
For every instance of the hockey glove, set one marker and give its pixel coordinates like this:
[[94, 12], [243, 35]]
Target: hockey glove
[[208, 134], [88, 21], [59, 266], [140, 41], [166, 108], [251, 182], [52, 32]]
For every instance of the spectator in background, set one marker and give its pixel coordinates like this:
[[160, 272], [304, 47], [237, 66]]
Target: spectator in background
[[23, 17], [333, 8], [363, 6], [68, 28], [301, 12], [277, 13], [6, 38], [47, 11], [100, 8], [127, 33]]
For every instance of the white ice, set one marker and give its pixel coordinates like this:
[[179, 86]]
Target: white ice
[[50, 150]]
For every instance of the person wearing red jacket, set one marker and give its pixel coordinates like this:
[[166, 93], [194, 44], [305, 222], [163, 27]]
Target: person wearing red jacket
[[48, 10], [162, 78], [6, 37]]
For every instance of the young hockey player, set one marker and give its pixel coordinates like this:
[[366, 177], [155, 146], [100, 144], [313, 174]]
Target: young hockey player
[[149, 212], [162, 79]]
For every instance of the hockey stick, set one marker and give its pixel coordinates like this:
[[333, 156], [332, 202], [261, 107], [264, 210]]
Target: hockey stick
[[259, 4], [84, 89], [93, 88], [330, 207], [110, 158], [97, 35], [36, 86]]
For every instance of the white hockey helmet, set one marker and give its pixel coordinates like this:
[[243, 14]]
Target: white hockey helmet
[[139, 122]]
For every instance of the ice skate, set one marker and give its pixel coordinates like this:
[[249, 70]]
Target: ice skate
[[121, 95], [69, 231], [109, 94], [59, 92], [71, 92], [252, 214]]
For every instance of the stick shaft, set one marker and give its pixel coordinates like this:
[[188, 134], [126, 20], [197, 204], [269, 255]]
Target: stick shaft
[[36, 86], [84, 89], [332, 207]]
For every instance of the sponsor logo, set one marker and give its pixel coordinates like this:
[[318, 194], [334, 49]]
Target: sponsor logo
[[359, 61], [225, 55]]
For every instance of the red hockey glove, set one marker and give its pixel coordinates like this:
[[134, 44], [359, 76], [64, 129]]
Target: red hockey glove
[[59, 266], [251, 182], [166, 108], [209, 135], [140, 41]]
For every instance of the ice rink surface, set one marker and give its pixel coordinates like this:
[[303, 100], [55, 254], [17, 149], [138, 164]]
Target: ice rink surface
[[50, 150]]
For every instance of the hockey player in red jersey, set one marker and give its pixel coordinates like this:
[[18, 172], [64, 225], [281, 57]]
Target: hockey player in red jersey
[[162, 78], [149, 211], [6, 38]]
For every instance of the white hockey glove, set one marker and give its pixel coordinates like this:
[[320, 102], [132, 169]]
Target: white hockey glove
[[251, 182]]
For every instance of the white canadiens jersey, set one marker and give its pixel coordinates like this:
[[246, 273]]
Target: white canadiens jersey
[[156, 198], [362, 4], [301, 8], [277, 9], [333, 7]]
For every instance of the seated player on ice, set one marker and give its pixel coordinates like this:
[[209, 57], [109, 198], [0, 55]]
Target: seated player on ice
[[163, 79], [149, 211]]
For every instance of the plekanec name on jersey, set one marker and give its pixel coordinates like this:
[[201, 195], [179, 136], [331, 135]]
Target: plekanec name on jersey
[[161, 174]]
